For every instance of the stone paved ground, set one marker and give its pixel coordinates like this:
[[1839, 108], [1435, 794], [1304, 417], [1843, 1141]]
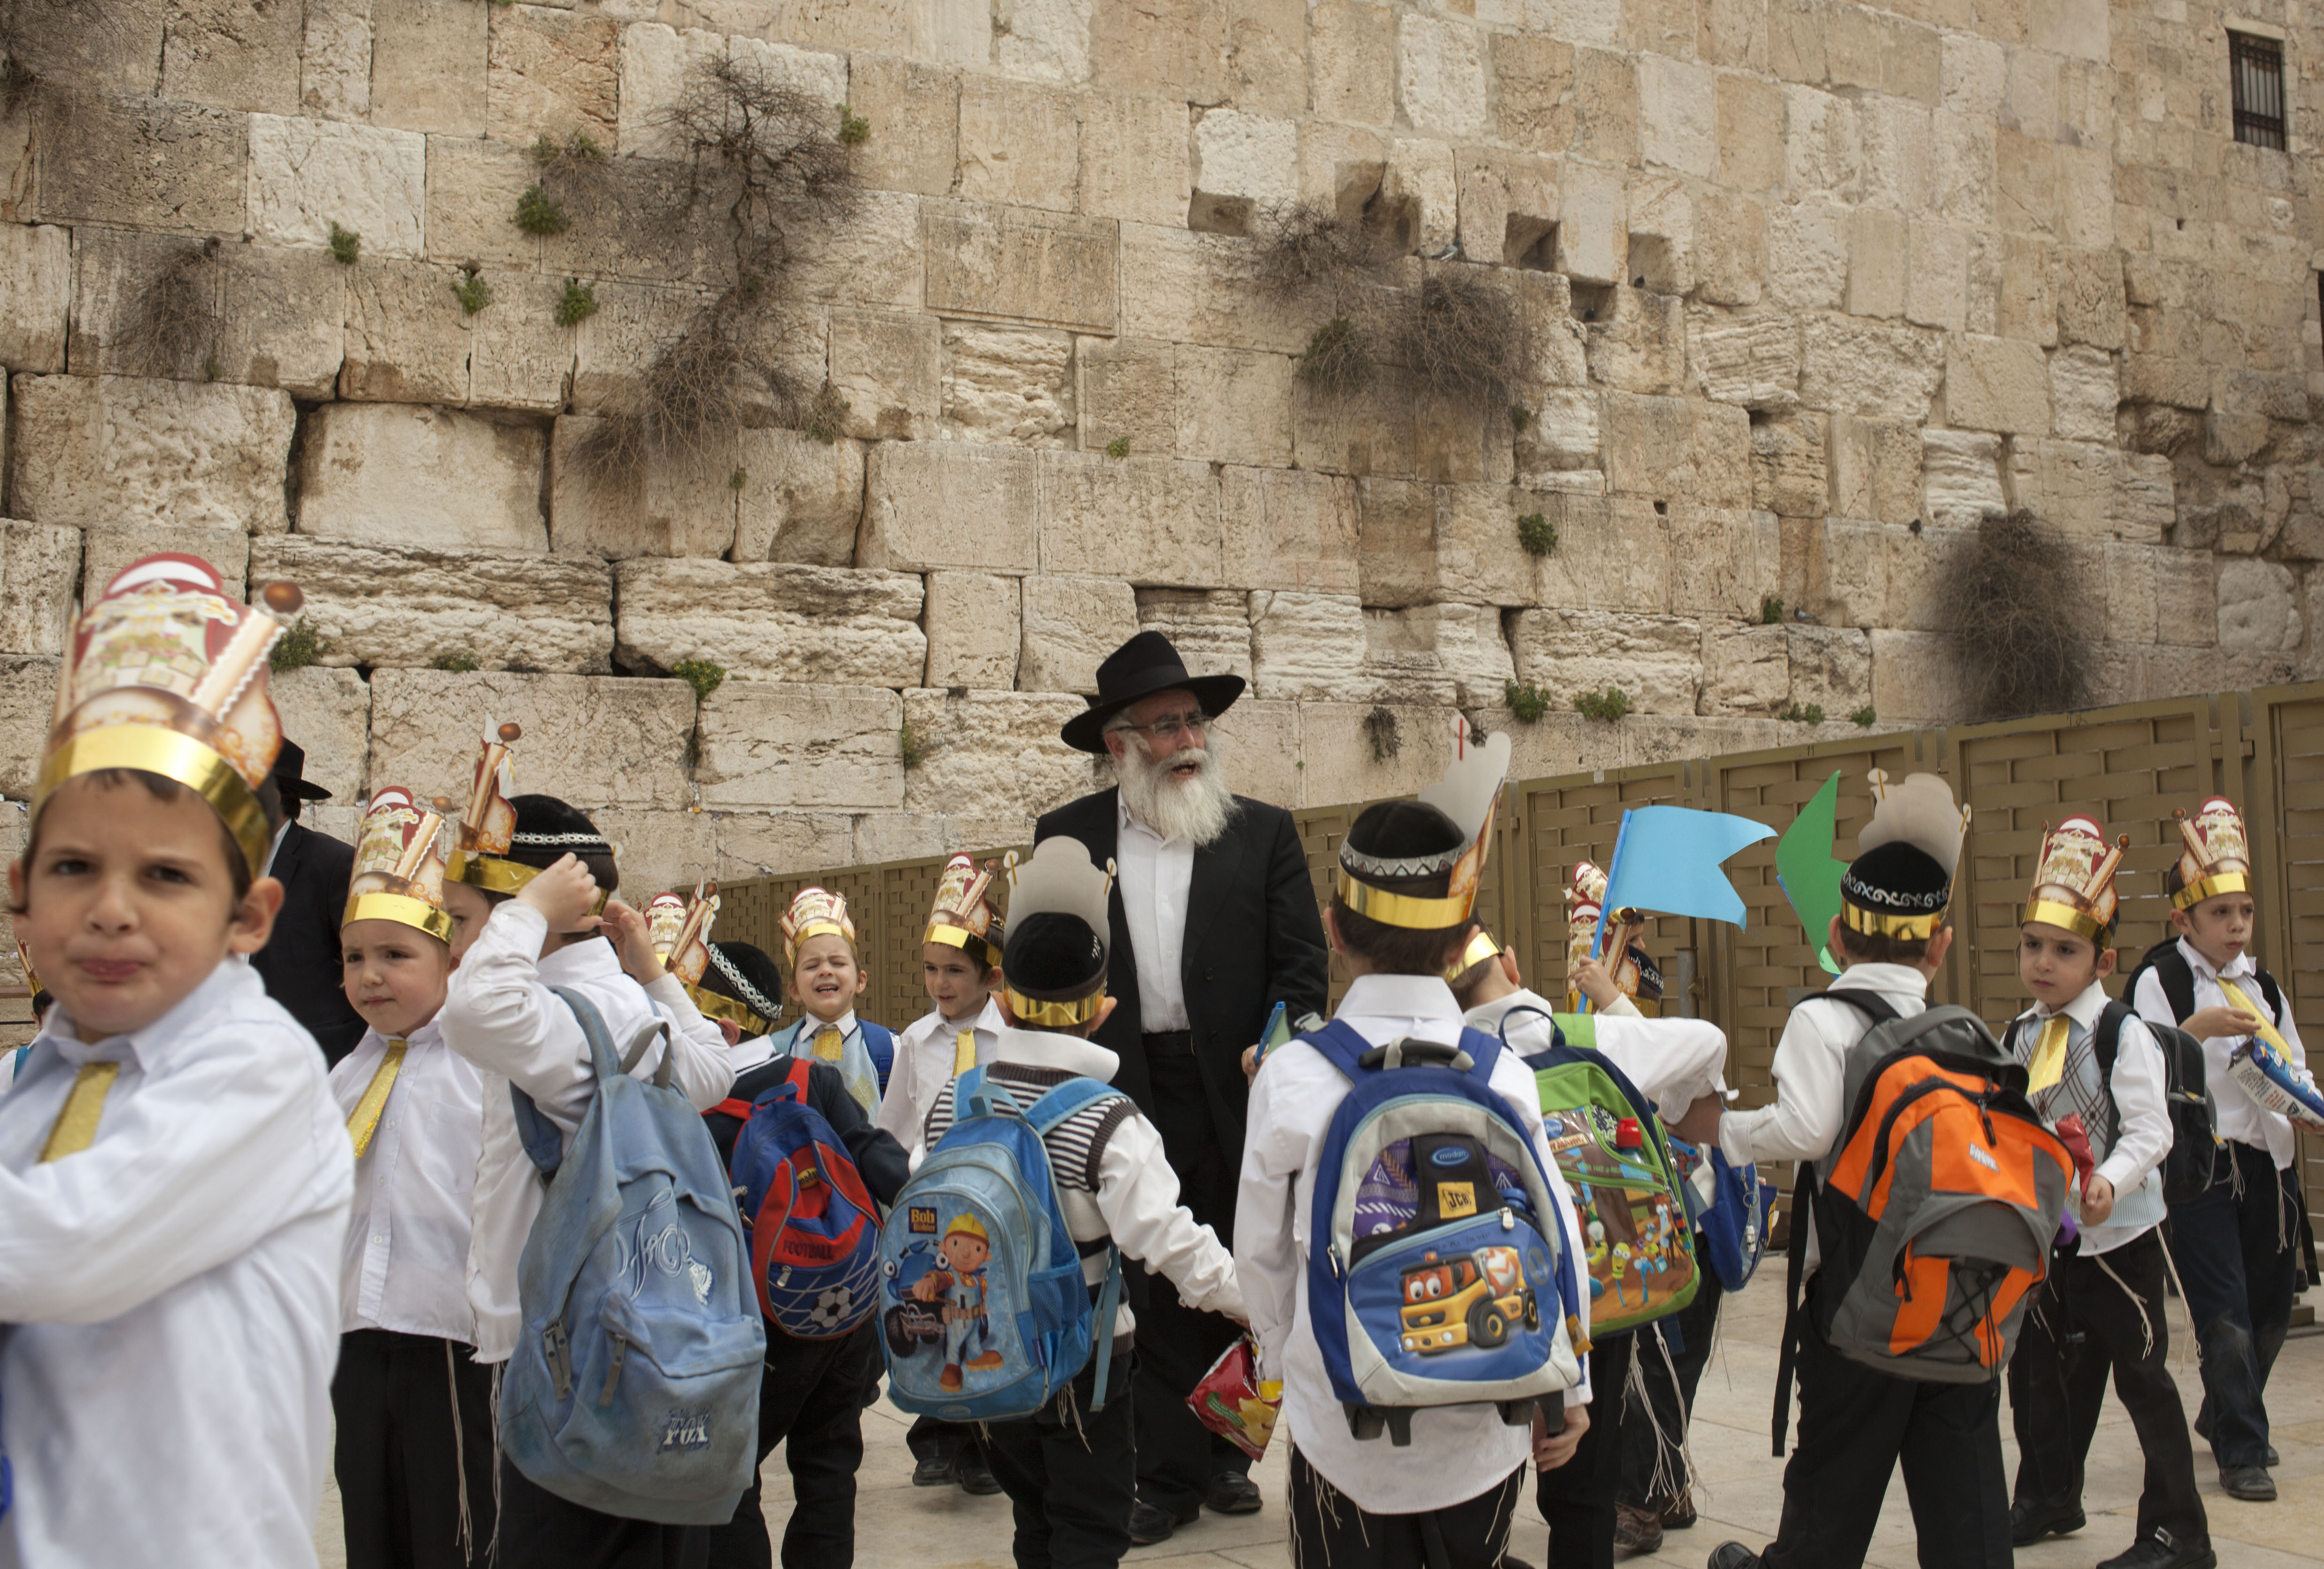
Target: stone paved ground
[[898, 1527]]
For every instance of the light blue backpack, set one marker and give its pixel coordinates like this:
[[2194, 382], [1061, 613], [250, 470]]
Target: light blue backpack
[[634, 1386], [984, 1312]]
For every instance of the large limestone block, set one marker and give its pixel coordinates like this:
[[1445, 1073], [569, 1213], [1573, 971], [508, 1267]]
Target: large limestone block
[[781, 744], [1593, 232], [1831, 668], [1916, 677], [1655, 660], [1349, 754], [1009, 385], [595, 740], [552, 73], [1807, 254], [236, 54], [800, 500], [1960, 477], [1677, 111], [1638, 342], [1746, 670], [1876, 468], [427, 65], [1723, 561], [472, 189], [1402, 662], [1127, 390], [993, 754], [1351, 70], [1307, 647], [1850, 366], [306, 174], [1134, 162], [2091, 307], [1210, 628], [1562, 444], [1613, 553], [1257, 743], [975, 628], [1244, 162], [1748, 358], [1936, 276], [771, 622], [36, 292], [1479, 558], [1071, 625], [1428, 644], [1171, 48], [2084, 390], [1674, 447], [915, 113], [274, 313], [1750, 132], [661, 850], [327, 711], [104, 550], [396, 474], [1996, 384], [1020, 143], [1789, 471], [1730, 250], [144, 163], [1233, 406], [1441, 79], [39, 565], [86, 450], [1020, 264], [870, 254], [407, 337], [632, 325], [648, 220], [915, 493], [680, 506], [658, 66], [890, 368], [406, 607], [28, 692], [1289, 529], [764, 844], [2259, 607], [1604, 106], [1185, 287], [1877, 264], [1153, 522], [1396, 541]]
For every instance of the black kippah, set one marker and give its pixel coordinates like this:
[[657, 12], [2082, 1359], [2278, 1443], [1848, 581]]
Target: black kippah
[[547, 828], [1054, 957], [1896, 879], [1399, 845], [746, 973]]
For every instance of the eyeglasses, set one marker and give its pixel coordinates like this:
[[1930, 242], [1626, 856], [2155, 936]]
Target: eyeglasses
[[1169, 727]]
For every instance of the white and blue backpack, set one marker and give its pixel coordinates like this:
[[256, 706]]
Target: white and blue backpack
[[1439, 1272]]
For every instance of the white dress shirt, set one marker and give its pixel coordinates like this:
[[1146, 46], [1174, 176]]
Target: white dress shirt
[[2241, 1118], [405, 1266], [925, 1053], [1457, 1452], [175, 1291], [1155, 875], [1672, 1062], [2133, 1164], [501, 1016]]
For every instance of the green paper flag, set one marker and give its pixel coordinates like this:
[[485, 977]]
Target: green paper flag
[[1809, 872]]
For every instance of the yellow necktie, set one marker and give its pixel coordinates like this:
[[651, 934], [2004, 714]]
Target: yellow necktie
[[76, 1125], [829, 1044], [963, 1053], [364, 1121], [2267, 1030], [2049, 1064]]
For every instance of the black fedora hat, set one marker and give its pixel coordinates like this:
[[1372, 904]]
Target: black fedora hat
[[1141, 668], [289, 774]]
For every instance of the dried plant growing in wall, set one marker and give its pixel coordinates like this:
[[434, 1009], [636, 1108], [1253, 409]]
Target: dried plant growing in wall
[[45, 50], [1310, 253], [1461, 335], [172, 327], [2007, 602]]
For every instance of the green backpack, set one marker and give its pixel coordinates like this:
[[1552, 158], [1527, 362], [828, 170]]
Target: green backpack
[[1637, 1240]]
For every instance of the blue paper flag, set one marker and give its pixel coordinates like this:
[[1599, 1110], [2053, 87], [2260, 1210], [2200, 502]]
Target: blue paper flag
[[1666, 860]]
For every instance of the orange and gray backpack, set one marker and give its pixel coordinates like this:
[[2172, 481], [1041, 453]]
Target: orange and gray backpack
[[1935, 1212]]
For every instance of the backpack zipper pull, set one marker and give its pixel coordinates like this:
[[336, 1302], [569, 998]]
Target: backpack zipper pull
[[614, 1373], [1339, 1270]]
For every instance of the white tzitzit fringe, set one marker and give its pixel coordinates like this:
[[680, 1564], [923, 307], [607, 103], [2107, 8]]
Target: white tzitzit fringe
[[460, 1454]]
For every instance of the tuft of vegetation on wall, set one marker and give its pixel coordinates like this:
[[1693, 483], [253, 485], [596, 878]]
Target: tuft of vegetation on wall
[[2007, 603]]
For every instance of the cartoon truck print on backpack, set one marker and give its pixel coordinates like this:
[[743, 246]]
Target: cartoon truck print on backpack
[[1469, 1300]]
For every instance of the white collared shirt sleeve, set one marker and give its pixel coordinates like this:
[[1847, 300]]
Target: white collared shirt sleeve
[[499, 1017], [2137, 1083], [699, 1059], [1803, 1120], [1620, 1008], [1138, 1194], [1266, 1239], [901, 1111], [2241, 1119]]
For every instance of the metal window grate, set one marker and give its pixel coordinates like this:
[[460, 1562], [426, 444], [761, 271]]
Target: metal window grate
[[2255, 69]]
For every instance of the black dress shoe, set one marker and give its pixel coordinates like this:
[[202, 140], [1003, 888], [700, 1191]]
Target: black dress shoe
[[933, 1472], [2029, 1523], [973, 1475], [1232, 1492], [1149, 1524], [2251, 1483], [2159, 1551], [1733, 1555]]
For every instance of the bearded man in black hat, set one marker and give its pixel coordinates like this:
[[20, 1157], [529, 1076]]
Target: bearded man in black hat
[[1214, 922], [300, 962]]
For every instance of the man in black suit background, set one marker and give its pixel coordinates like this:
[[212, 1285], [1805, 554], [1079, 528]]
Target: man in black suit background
[[300, 962], [1214, 922]]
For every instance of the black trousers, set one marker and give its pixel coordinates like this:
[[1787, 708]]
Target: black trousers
[[1072, 1475], [1329, 1531], [1577, 1499], [1176, 1454], [929, 1439], [1659, 1444], [414, 1446], [1856, 1425], [540, 1530], [811, 1394], [2084, 1324], [2238, 1253]]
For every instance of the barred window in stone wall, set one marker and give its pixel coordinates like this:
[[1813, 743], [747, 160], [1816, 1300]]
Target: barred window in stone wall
[[2255, 68]]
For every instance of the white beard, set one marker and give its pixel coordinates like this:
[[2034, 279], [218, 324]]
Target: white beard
[[1195, 809]]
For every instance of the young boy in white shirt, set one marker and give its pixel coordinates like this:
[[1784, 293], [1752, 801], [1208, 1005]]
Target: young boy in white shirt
[[2103, 1308], [827, 978], [1071, 1472], [2238, 1246], [1407, 880], [1857, 1425], [414, 1407], [174, 1177]]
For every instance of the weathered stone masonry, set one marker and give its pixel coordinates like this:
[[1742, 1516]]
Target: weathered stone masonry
[[1813, 286]]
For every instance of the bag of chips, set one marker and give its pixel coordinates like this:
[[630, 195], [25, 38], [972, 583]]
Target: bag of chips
[[1232, 1400]]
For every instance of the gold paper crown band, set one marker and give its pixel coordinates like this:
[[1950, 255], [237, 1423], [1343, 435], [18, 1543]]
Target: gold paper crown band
[[2211, 888], [968, 942], [1053, 1016], [2050, 913], [1902, 928], [503, 876], [399, 907], [1480, 947], [741, 1014], [1409, 911], [173, 755]]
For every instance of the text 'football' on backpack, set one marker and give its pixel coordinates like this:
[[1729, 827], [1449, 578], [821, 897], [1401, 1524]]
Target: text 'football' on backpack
[[984, 1313], [1935, 1212], [814, 1229], [633, 1388], [1439, 1271], [1638, 1247]]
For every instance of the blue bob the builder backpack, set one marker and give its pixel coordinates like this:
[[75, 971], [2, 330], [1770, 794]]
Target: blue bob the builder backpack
[[814, 1229], [633, 1388], [984, 1312], [1439, 1271]]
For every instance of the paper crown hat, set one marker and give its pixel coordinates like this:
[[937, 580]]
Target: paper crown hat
[[399, 872], [2073, 880], [1060, 934], [1902, 879], [1479, 948], [2216, 853], [1416, 864], [1629, 969], [742, 974], [166, 673], [963, 916], [488, 828], [679, 929], [814, 912]]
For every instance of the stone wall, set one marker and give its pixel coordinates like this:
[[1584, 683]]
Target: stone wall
[[1810, 288]]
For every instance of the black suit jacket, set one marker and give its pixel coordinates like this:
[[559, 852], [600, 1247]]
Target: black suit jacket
[[1253, 938], [300, 962]]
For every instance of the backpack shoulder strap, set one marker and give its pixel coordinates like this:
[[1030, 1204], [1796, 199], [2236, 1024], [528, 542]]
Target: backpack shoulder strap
[[880, 1045], [1341, 1046], [2106, 1042], [1076, 1093], [1870, 1003], [2272, 992], [2177, 976], [543, 1140]]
